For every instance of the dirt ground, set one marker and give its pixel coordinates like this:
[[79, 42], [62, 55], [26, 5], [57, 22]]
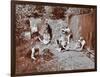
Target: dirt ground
[[59, 61]]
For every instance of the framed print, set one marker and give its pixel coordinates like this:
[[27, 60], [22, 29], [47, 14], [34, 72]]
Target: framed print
[[50, 38]]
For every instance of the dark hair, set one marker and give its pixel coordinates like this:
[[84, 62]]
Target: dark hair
[[49, 31]]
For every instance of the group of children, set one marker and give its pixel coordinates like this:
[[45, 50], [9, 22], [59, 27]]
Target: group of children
[[45, 37]]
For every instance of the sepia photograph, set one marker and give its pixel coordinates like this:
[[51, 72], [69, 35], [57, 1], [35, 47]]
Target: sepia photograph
[[53, 38]]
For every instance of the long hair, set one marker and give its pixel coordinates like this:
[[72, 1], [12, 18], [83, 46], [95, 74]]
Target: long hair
[[49, 30]]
